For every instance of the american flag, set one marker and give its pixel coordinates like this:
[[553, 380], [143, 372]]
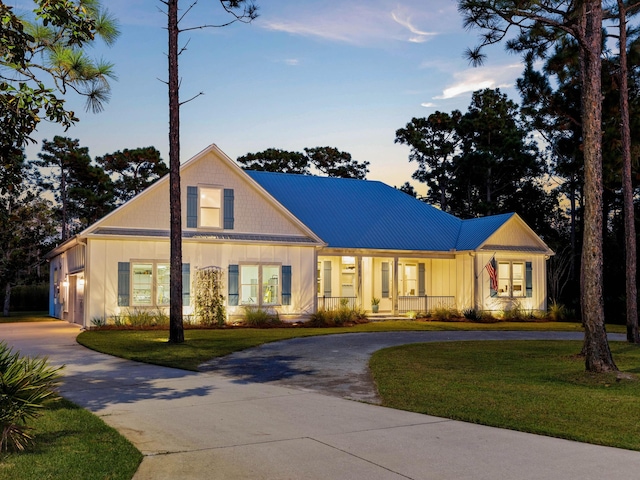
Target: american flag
[[493, 273]]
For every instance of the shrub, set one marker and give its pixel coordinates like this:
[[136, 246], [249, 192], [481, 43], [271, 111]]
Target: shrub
[[472, 314], [26, 385], [557, 312], [337, 318], [98, 322], [260, 317], [444, 314]]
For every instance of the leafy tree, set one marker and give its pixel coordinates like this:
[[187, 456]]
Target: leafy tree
[[84, 192], [134, 170], [25, 225], [538, 26], [334, 163], [327, 160], [42, 57], [433, 143], [275, 160], [408, 189], [241, 11]]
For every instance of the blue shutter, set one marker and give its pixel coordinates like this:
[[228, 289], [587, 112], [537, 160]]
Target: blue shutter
[[385, 279], [529, 279], [228, 208], [421, 272], [286, 284], [186, 284], [124, 273], [327, 278], [192, 207], [233, 285]]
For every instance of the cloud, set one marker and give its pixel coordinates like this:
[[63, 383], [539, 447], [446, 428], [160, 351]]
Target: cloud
[[419, 36], [293, 62], [365, 23], [427, 104], [480, 78]]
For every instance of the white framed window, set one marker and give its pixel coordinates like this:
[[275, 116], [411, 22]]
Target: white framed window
[[408, 279], [210, 206], [260, 284], [150, 284], [511, 279]]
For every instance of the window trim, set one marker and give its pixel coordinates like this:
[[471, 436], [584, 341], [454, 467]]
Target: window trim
[[510, 294], [200, 208], [260, 298], [154, 282]]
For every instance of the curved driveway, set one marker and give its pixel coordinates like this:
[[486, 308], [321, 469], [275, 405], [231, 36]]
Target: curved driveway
[[338, 364], [238, 426]]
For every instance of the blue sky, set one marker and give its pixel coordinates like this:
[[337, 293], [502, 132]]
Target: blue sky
[[306, 73]]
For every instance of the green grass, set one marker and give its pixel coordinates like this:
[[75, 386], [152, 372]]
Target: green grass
[[27, 317], [150, 346], [72, 444], [532, 386]]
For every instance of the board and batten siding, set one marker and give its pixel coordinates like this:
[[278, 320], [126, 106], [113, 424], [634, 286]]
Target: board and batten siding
[[537, 301], [105, 254]]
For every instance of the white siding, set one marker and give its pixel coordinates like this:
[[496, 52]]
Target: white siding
[[104, 255]]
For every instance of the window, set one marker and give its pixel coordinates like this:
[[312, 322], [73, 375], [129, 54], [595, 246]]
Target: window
[[146, 284], [511, 279], [260, 284], [408, 280], [348, 278], [210, 207]]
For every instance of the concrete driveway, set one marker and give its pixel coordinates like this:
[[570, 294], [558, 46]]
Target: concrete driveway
[[222, 426]]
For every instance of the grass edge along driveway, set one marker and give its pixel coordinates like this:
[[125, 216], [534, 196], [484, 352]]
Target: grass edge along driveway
[[527, 385], [150, 346]]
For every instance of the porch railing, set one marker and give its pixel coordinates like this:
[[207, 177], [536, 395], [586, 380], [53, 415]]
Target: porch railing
[[425, 303], [334, 303]]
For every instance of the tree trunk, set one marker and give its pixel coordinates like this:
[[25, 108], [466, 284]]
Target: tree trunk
[[7, 300], [627, 186], [176, 329], [596, 347]]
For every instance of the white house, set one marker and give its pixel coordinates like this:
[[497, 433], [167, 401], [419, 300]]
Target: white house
[[295, 243]]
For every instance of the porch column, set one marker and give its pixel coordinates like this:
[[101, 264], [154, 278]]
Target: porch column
[[394, 293], [359, 280]]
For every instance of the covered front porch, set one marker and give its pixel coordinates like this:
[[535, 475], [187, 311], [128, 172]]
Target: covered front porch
[[402, 283]]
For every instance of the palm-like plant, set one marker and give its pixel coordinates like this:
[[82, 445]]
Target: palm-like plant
[[26, 384]]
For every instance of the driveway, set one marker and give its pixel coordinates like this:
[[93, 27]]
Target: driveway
[[219, 426], [338, 365]]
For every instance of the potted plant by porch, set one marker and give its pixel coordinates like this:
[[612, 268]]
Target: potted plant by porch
[[375, 304]]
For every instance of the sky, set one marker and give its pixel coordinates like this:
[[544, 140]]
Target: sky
[[305, 73]]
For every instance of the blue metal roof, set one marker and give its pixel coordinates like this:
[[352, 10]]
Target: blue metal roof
[[475, 231], [350, 213]]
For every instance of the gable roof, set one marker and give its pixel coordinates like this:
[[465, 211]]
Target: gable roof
[[350, 213]]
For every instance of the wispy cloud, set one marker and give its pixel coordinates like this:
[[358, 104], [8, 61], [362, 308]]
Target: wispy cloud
[[418, 36], [293, 62], [356, 22], [480, 78], [428, 104]]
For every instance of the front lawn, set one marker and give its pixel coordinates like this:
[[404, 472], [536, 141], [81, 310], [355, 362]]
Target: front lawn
[[72, 444], [150, 346], [531, 386]]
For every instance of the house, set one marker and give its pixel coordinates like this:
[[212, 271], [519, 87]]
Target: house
[[295, 243]]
